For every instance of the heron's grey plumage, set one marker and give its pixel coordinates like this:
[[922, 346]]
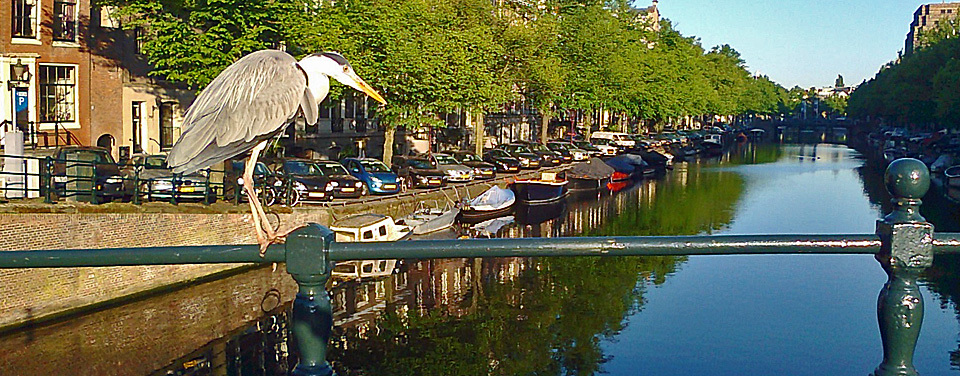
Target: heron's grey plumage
[[248, 102]]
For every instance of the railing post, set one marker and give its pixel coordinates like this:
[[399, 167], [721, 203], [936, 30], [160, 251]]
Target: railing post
[[906, 250], [47, 179], [307, 261]]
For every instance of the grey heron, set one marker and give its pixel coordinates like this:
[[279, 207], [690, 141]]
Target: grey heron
[[250, 102]]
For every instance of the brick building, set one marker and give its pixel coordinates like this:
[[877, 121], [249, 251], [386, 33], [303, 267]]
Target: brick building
[[927, 17], [80, 79]]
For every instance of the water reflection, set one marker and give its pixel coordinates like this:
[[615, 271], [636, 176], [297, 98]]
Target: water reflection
[[511, 316]]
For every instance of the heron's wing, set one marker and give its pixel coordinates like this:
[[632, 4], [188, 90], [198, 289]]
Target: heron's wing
[[250, 100], [310, 108]]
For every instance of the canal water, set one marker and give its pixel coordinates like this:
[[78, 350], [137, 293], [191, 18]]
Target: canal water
[[698, 315]]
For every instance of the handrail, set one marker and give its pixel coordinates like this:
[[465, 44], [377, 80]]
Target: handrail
[[904, 245]]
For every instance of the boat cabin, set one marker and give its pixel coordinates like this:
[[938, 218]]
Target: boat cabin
[[368, 228]]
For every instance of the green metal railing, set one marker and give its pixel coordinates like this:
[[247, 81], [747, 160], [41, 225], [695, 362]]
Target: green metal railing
[[57, 179], [904, 244]]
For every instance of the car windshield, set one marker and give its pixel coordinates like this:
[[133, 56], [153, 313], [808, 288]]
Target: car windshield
[[261, 169], [374, 166], [467, 157], [518, 149], [584, 145], [445, 159], [600, 141], [419, 163], [332, 169], [155, 162], [87, 156], [301, 168], [538, 147]]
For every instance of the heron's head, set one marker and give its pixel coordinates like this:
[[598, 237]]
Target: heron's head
[[336, 66]]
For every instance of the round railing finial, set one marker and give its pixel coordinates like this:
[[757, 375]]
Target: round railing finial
[[907, 178]]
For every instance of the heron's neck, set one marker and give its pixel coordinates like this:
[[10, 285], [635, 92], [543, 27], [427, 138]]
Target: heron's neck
[[318, 83]]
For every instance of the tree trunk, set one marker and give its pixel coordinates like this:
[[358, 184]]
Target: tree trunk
[[544, 124], [478, 132], [588, 122], [388, 135]]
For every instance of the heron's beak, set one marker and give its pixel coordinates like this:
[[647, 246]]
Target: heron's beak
[[359, 84]]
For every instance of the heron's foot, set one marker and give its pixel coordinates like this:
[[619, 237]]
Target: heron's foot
[[267, 240], [277, 237]]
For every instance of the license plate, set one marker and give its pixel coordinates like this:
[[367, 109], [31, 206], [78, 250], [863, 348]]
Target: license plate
[[349, 189], [315, 194], [187, 189], [434, 182], [486, 173], [389, 186], [513, 169]]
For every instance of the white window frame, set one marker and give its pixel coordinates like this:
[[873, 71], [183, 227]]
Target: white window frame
[[75, 43], [48, 125], [35, 22]]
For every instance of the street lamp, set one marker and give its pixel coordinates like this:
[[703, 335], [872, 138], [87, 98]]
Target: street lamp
[[19, 74]]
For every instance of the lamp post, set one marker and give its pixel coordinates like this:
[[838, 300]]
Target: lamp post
[[19, 74]]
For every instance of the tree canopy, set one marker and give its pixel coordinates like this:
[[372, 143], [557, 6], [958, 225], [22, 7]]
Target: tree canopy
[[430, 56]]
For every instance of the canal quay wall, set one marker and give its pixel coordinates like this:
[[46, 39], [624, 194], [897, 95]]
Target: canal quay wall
[[34, 295]]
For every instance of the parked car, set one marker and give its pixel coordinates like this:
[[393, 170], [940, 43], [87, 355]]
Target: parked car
[[303, 181], [606, 146], [481, 169], [377, 178], [344, 184], [85, 172], [546, 157], [149, 177], [506, 162], [569, 151], [590, 148], [455, 171], [265, 183], [418, 172]]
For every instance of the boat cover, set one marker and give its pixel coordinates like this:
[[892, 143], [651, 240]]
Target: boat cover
[[494, 198], [591, 169], [627, 163], [653, 158]]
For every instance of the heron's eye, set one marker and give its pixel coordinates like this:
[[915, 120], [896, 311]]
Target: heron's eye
[[346, 69]]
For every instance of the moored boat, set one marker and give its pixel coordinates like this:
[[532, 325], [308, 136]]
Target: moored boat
[[367, 228], [426, 220], [548, 188], [589, 176], [492, 203]]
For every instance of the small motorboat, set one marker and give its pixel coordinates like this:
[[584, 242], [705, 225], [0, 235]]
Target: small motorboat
[[492, 203], [367, 228], [589, 176], [548, 188], [952, 175], [712, 145], [426, 220]]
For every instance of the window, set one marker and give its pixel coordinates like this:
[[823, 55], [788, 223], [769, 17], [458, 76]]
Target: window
[[136, 120], [58, 98], [166, 125], [24, 19], [65, 20]]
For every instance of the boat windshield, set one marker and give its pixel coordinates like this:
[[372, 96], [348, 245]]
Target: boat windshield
[[374, 166], [301, 168], [445, 159]]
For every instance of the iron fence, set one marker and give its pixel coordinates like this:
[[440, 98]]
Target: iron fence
[[904, 244]]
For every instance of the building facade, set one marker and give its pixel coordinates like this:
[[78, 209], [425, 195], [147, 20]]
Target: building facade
[[927, 17], [71, 75]]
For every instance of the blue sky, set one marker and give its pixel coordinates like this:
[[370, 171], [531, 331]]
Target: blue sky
[[799, 42]]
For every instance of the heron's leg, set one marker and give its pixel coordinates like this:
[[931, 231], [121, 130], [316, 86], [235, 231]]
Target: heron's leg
[[251, 164], [265, 234]]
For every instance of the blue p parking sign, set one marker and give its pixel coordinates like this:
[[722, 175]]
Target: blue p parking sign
[[20, 100]]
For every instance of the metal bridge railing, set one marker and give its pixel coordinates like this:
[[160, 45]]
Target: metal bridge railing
[[904, 245]]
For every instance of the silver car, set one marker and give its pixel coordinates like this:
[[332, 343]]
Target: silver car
[[454, 171]]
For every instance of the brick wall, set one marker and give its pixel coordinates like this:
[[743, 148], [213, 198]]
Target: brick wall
[[32, 293]]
